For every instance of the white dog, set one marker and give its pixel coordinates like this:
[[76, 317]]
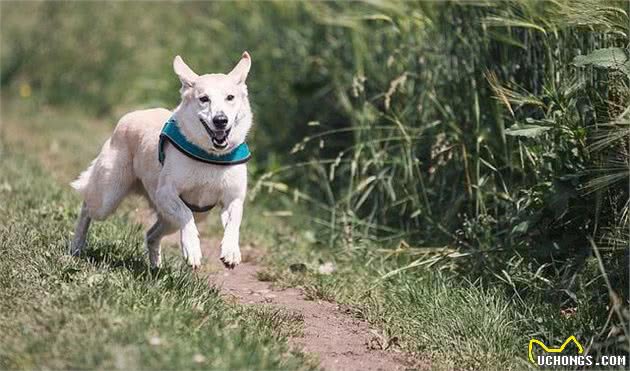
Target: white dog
[[184, 168]]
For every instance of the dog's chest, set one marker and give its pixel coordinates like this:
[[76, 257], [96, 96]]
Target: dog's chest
[[202, 184], [205, 185]]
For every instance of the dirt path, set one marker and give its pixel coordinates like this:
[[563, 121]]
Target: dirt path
[[338, 340]]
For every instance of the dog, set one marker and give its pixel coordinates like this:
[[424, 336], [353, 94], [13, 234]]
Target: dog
[[160, 154]]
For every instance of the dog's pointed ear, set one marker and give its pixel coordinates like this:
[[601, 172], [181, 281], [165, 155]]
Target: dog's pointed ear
[[185, 74], [239, 73]]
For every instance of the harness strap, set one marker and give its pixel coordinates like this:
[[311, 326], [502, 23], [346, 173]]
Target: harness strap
[[195, 208]]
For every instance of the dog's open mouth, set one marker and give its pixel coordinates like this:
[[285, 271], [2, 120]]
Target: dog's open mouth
[[219, 138]]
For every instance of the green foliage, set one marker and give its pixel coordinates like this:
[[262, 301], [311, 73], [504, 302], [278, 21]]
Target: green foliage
[[466, 125]]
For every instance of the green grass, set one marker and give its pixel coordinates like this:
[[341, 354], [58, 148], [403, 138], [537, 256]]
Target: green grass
[[108, 310]]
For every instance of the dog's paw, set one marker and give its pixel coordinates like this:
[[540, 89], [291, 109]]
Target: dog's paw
[[76, 246], [191, 251], [74, 250], [230, 257], [192, 257], [155, 257]]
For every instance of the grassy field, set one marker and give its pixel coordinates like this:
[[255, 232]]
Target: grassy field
[[108, 310]]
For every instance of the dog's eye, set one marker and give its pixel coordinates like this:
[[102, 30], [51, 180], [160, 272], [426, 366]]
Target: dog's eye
[[204, 99], [230, 97]]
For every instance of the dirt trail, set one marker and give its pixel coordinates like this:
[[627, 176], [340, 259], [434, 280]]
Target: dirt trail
[[338, 340]]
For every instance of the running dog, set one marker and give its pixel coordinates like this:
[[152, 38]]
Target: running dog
[[184, 162]]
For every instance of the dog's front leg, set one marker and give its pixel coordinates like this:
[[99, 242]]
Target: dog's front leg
[[231, 216], [173, 209]]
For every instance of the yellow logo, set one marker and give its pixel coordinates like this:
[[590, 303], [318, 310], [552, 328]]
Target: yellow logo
[[553, 350]]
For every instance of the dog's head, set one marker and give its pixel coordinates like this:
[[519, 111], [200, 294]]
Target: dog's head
[[214, 112]]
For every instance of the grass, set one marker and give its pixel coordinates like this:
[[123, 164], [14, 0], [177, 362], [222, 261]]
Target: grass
[[109, 310]]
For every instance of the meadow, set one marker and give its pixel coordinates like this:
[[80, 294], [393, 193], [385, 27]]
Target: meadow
[[464, 165]]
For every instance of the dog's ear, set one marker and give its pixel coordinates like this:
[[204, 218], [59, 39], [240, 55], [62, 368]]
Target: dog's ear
[[185, 74], [239, 73]]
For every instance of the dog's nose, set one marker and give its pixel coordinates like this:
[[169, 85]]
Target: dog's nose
[[220, 120]]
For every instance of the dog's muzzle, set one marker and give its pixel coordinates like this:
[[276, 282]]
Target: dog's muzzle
[[218, 137]]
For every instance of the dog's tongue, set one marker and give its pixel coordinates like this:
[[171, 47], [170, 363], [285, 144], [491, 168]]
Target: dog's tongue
[[220, 135]]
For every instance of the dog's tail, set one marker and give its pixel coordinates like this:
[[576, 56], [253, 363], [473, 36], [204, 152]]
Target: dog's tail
[[80, 184]]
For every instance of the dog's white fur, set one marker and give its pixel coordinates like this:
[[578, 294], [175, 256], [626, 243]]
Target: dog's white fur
[[129, 162]]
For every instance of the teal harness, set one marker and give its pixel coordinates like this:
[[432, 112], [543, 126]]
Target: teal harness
[[171, 133], [239, 155]]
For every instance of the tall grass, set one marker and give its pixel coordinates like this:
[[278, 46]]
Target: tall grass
[[495, 129], [450, 128]]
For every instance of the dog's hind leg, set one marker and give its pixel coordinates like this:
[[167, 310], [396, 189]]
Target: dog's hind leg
[[108, 180], [152, 240], [80, 231]]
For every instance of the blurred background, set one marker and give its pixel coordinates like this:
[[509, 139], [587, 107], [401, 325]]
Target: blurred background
[[488, 138]]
